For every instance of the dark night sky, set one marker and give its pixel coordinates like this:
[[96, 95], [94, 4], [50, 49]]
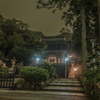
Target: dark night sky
[[38, 19]]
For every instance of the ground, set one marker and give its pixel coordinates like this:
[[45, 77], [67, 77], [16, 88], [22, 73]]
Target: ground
[[6, 94]]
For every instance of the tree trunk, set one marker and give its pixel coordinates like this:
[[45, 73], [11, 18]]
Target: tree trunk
[[98, 4], [83, 36]]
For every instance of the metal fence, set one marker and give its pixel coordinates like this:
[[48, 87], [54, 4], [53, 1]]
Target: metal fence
[[7, 81]]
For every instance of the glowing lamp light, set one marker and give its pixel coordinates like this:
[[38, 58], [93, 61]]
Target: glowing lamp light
[[37, 59], [75, 69], [70, 56], [66, 59]]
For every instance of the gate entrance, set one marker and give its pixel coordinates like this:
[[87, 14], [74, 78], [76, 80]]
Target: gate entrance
[[60, 69]]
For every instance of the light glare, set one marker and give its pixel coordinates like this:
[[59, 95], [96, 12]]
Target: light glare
[[66, 59], [37, 59], [75, 69]]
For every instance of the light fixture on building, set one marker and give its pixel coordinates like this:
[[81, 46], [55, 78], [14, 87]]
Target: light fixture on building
[[66, 59], [70, 56], [37, 59]]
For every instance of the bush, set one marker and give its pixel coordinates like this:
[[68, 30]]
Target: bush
[[34, 75], [27, 73], [3, 71], [90, 81], [40, 75], [93, 76], [50, 69]]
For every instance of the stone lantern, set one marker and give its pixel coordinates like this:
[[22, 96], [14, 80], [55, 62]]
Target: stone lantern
[[13, 62]]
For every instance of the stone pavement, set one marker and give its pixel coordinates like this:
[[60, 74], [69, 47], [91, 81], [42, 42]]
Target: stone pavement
[[6, 94], [47, 94]]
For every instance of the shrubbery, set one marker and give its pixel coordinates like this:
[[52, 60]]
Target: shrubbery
[[3, 71], [92, 76], [50, 69], [90, 81], [27, 73], [40, 75], [34, 75]]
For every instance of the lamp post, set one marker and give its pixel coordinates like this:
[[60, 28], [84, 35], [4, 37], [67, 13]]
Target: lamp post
[[66, 70], [37, 61]]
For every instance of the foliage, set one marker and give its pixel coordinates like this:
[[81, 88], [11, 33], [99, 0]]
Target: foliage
[[93, 76], [90, 81], [72, 17], [26, 73], [3, 43], [3, 71], [34, 75], [20, 81], [40, 75], [50, 69], [78, 12], [16, 40]]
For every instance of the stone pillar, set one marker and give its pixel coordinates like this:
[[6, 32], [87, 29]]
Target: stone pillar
[[62, 60], [59, 60], [48, 60], [55, 60]]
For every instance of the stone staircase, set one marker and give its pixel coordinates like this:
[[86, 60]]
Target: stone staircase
[[65, 85]]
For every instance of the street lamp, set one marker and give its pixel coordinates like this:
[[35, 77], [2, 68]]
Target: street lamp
[[66, 69]]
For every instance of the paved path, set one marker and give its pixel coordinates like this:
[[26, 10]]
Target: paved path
[[40, 95]]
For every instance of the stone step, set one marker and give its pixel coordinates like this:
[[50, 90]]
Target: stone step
[[71, 76], [74, 79], [75, 82], [65, 84], [64, 89]]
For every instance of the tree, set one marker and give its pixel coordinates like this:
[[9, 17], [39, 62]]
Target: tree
[[76, 37], [3, 43], [23, 48], [16, 40], [66, 33], [76, 8], [60, 4], [98, 4]]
